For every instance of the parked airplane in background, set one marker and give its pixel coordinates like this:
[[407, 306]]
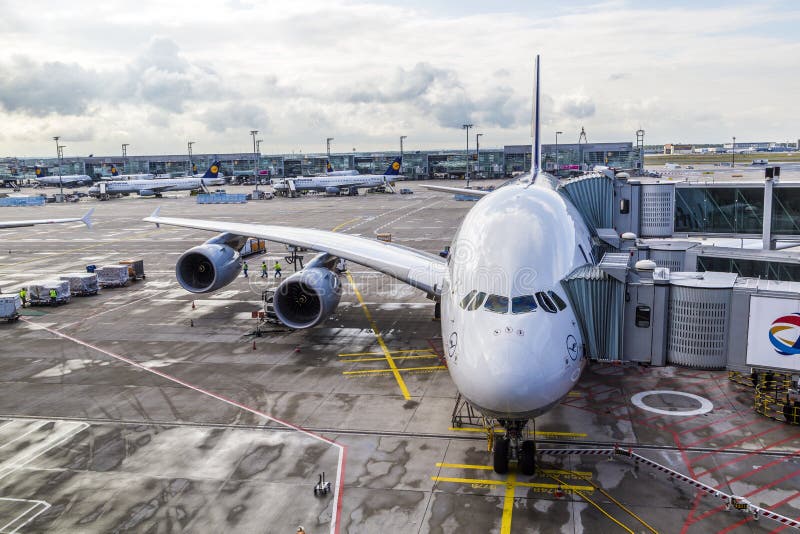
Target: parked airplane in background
[[333, 185], [158, 186], [86, 219], [115, 175], [329, 171], [514, 348], [66, 179]]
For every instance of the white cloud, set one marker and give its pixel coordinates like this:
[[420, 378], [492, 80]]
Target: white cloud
[[156, 74]]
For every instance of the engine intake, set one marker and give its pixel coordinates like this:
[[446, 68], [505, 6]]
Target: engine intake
[[307, 298], [208, 267]]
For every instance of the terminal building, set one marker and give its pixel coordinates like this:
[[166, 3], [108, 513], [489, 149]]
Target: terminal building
[[486, 163]]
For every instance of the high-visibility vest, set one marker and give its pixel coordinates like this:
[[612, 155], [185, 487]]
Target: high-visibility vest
[[53, 293], [23, 293]]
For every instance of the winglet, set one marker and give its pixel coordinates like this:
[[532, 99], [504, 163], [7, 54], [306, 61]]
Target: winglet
[[87, 219], [154, 215]]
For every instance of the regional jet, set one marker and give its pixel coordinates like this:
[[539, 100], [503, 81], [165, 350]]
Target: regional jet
[[86, 219], [66, 179], [513, 346], [157, 186], [334, 185]]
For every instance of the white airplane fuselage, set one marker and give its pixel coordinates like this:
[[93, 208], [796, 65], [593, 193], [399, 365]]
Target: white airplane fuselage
[[157, 185], [323, 183], [67, 179], [515, 242]]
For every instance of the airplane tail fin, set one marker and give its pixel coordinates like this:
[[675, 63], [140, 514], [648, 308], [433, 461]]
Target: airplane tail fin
[[328, 166], [212, 171], [38, 171], [114, 171], [87, 219], [536, 147], [394, 168]]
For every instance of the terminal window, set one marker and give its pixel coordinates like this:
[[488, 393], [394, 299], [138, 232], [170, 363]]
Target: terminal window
[[643, 316]]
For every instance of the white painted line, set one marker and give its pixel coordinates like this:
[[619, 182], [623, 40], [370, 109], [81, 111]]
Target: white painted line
[[31, 431], [337, 488], [705, 404], [13, 464], [45, 506]]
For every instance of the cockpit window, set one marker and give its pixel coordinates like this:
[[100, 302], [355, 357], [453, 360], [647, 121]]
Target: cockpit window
[[523, 304], [558, 300], [467, 298], [497, 304], [545, 302], [476, 303]]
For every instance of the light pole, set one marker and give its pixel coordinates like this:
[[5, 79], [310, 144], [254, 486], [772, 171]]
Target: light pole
[[478, 155], [401, 152], [60, 162], [58, 155], [733, 153], [467, 127], [328, 152], [255, 157], [557, 134], [258, 152], [125, 156], [191, 166]]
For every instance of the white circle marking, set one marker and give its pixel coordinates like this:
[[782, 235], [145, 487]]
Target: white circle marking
[[705, 404]]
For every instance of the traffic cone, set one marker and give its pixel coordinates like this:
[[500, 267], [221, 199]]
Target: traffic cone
[[191, 322], [254, 344], [193, 306]]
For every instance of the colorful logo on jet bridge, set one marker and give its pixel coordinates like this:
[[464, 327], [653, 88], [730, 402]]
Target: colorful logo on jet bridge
[[784, 334]]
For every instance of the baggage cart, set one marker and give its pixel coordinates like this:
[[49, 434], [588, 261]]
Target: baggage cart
[[135, 269], [81, 284], [39, 292], [112, 276], [9, 307]]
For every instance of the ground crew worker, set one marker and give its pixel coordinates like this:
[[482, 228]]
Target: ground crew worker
[[263, 269], [23, 295], [277, 269], [244, 269], [53, 296]]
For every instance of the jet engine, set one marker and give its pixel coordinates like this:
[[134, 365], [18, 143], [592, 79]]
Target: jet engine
[[146, 193], [308, 297], [210, 266], [331, 190]]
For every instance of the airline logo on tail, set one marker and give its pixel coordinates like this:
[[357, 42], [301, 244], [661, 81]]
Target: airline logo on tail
[[328, 166], [394, 168], [38, 170], [212, 171], [114, 171]]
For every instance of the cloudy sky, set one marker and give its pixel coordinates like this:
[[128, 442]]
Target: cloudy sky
[[157, 74]]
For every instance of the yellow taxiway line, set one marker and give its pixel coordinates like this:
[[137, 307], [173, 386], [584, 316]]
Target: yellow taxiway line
[[392, 366], [395, 370], [425, 357], [339, 227], [349, 354]]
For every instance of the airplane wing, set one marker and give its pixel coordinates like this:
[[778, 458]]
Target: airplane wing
[[419, 269], [458, 190], [86, 219]]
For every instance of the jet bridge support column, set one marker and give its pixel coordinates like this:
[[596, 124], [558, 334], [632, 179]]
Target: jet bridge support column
[[766, 229]]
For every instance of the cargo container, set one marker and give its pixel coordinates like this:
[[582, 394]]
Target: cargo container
[[9, 307], [81, 284], [39, 292], [112, 275]]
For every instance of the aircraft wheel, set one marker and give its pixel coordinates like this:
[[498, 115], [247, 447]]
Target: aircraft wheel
[[527, 458], [501, 455]]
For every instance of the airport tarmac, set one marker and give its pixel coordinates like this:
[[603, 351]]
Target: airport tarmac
[[149, 409]]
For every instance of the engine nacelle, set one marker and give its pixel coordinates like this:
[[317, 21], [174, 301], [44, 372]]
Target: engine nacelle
[[330, 190], [146, 193], [307, 298], [208, 267]]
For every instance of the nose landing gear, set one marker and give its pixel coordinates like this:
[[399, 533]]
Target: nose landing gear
[[513, 447]]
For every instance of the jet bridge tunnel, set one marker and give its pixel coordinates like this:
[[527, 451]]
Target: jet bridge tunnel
[[650, 298]]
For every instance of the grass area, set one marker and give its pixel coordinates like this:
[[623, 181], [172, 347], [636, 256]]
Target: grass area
[[691, 159]]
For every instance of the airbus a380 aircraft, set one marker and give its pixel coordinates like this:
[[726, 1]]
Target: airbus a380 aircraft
[[514, 348], [335, 184]]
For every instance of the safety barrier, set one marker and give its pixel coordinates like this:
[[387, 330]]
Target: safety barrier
[[730, 501], [221, 198], [8, 202]]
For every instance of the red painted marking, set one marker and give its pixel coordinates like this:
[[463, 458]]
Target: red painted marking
[[696, 428], [718, 434], [749, 454], [342, 448], [733, 444], [754, 471]]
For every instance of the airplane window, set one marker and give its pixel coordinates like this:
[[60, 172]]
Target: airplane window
[[497, 304], [558, 300], [475, 304], [523, 304], [545, 302], [467, 298]]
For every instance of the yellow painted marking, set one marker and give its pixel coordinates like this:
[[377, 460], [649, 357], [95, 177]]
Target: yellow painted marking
[[339, 227], [421, 351], [379, 337], [508, 504], [580, 474], [509, 482], [538, 433], [587, 499], [574, 394], [469, 429], [623, 507], [396, 371], [426, 357], [464, 466]]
